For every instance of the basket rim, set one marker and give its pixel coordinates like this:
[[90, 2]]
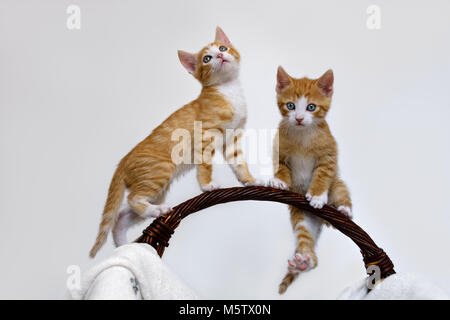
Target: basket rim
[[159, 232]]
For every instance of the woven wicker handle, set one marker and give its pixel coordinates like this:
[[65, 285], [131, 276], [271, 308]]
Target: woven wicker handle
[[159, 232]]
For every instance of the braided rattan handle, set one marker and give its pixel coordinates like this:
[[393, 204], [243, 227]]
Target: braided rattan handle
[[159, 232]]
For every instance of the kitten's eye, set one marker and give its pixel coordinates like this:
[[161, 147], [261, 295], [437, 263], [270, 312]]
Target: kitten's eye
[[206, 59], [290, 106], [311, 107], [223, 48]]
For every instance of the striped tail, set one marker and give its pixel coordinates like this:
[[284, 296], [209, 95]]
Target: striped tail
[[286, 282], [113, 202]]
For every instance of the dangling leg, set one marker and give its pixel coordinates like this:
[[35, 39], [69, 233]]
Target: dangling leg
[[144, 199], [307, 229], [339, 196], [125, 220], [151, 184], [128, 218]]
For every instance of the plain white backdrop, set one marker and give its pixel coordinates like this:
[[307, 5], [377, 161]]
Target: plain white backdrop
[[73, 102]]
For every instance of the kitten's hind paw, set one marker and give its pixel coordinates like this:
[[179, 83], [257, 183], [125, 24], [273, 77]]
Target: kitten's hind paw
[[300, 262], [210, 186], [346, 210], [154, 210], [164, 208], [278, 184]]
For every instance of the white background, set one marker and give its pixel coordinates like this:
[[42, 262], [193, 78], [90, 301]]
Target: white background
[[72, 103]]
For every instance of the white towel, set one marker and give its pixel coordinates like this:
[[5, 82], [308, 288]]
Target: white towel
[[134, 271], [406, 286]]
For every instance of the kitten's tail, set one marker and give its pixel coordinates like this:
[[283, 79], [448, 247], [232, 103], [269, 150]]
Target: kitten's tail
[[113, 202], [286, 282]]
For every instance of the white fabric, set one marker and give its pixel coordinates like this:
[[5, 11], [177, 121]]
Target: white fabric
[[396, 287], [134, 271]]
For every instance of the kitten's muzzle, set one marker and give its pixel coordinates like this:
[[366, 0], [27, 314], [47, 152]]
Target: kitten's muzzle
[[299, 121], [220, 56]]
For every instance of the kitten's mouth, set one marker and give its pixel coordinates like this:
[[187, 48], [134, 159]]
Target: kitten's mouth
[[223, 61]]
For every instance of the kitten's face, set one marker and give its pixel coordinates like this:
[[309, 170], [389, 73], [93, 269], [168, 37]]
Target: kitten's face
[[303, 102], [216, 63]]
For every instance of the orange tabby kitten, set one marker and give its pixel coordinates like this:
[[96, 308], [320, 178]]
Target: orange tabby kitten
[[148, 170], [305, 161]]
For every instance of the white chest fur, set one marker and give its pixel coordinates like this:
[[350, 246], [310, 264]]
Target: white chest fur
[[301, 171], [232, 91]]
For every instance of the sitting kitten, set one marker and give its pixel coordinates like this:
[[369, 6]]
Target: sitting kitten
[[306, 161], [148, 170]]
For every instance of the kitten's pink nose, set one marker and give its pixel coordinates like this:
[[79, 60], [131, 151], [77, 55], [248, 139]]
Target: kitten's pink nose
[[220, 55], [299, 120]]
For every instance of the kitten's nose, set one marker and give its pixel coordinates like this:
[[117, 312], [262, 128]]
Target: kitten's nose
[[220, 55], [299, 120]]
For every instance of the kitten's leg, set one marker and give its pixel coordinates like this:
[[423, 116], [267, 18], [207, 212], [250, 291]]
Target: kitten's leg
[[307, 229], [340, 197], [141, 204], [204, 172], [126, 219], [323, 175], [140, 208], [235, 158], [150, 185], [282, 178]]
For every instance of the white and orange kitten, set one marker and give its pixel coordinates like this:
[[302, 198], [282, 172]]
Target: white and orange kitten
[[148, 170], [305, 161]]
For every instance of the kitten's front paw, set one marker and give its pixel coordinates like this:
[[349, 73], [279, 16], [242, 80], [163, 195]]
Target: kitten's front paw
[[317, 201], [300, 262], [278, 184], [210, 186], [346, 210]]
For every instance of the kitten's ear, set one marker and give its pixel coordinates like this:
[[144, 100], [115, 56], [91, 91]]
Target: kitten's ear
[[325, 83], [222, 37], [188, 60], [283, 80]]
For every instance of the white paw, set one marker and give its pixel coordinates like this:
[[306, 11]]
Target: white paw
[[317, 201], [210, 186], [164, 208], [154, 211], [278, 184], [257, 182], [346, 210], [300, 262]]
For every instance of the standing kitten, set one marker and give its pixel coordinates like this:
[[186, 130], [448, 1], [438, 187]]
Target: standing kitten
[[305, 161], [148, 170]]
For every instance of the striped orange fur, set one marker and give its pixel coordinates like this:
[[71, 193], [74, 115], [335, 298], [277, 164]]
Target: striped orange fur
[[148, 170], [305, 161]]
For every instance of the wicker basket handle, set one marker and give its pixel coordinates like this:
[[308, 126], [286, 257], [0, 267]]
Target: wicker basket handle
[[158, 233]]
